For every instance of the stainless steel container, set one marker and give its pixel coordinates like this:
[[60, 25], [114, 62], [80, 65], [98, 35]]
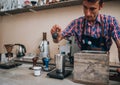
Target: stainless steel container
[[60, 63]]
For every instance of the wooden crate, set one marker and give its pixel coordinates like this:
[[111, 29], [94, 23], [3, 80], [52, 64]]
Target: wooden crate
[[91, 68]]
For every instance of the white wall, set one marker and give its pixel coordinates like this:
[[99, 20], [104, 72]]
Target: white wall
[[27, 28], [112, 8]]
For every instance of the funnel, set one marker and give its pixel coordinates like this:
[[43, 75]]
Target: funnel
[[9, 48]]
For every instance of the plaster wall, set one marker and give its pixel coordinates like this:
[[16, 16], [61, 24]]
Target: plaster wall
[[27, 28]]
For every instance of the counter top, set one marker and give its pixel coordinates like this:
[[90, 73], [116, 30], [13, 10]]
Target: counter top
[[23, 60], [21, 75], [52, 62]]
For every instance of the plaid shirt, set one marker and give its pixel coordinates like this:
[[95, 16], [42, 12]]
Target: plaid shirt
[[110, 25]]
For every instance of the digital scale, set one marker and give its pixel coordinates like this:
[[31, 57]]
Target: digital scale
[[59, 75]]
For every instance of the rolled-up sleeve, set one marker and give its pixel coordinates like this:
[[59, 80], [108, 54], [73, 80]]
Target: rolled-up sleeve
[[115, 29], [69, 30]]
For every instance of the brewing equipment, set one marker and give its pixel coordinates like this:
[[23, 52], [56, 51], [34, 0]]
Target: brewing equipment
[[44, 52], [44, 46], [21, 50], [60, 72], [7, 56], [9, 48], [7, 59], [60, 63]]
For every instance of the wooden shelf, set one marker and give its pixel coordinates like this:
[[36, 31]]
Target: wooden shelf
[[43, 7], [38, 8]]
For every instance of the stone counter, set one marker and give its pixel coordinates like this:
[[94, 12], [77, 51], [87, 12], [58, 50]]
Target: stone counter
[[21, 75], [52, 62]]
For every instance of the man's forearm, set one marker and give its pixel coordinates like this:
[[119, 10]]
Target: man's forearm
[[118, 46], [119, 53]]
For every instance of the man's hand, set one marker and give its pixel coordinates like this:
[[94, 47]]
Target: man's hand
[[56, 33], [55, 28]]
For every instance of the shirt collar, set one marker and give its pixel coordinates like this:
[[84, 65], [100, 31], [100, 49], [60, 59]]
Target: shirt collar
[[98, 19]]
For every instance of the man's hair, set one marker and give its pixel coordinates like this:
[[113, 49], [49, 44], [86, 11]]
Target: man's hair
[[94, 1]]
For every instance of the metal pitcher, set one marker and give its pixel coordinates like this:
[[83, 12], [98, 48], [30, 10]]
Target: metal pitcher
[[21, 50]]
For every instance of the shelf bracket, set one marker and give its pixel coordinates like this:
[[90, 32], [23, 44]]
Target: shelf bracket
[[8, 14], [32, 10]]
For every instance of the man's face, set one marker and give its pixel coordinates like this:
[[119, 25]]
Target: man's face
[[91, 10]]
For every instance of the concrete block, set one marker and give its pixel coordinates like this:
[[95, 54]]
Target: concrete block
[[91, 67]]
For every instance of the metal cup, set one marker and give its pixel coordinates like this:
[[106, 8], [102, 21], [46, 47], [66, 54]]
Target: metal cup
[[60, 62]]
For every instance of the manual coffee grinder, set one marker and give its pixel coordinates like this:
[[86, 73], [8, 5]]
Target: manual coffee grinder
[[60, 72], [44, 46], [44, 52], [9, 48]]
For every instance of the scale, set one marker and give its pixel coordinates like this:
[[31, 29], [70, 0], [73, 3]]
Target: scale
[[60, 72], [59, 75], [9, 65]]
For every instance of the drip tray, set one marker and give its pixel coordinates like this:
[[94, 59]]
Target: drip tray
[[9, 65]]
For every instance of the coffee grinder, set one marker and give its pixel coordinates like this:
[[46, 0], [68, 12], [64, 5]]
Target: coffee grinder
[[59, 72], [44, 52], [44, 47]]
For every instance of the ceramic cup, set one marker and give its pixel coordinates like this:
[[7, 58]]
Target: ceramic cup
[[37, 70]]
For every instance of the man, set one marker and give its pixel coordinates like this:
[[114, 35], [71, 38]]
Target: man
[[97, 27]]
